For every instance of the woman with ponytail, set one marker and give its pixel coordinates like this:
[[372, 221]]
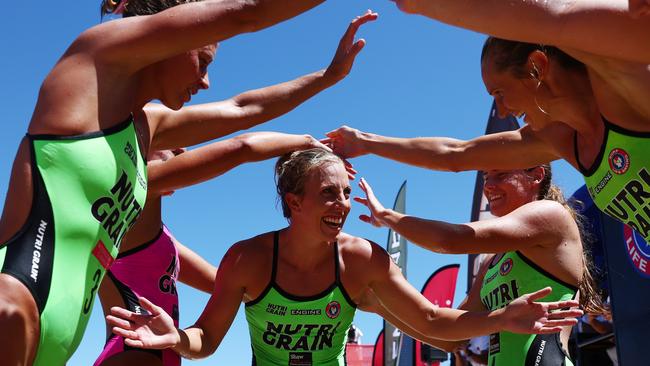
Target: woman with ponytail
[[537, 238], [79, 179]]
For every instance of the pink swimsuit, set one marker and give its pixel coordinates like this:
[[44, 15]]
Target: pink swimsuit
[[149, 270]]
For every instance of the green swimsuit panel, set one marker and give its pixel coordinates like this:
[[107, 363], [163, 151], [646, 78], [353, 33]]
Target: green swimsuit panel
[[87, 191], [296, 330], [506, 279], [619, 179]]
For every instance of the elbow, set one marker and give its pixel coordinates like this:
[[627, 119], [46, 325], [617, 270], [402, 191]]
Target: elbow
[[245, 147]]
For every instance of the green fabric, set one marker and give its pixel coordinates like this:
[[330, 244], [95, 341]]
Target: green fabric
[[619, 182], [515, 275], [96, 185], [286, 330]]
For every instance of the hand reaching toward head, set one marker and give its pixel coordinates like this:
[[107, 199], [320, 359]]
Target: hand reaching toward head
[[373, 204]]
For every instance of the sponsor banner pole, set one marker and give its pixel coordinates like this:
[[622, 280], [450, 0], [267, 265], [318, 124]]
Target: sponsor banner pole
[[480, 208], [396, 248]]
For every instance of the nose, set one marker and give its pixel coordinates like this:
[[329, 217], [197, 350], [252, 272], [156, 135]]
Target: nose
[[205, 81], [502, 111], [489, 182]]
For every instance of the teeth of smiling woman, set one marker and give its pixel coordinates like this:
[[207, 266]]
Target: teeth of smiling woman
[[333, 220]]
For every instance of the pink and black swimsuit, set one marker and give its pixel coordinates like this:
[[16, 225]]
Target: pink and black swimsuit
[[149, 270]]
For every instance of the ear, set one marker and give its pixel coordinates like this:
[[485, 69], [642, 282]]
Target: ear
[[538, 174], [538, 64], [293, 201]]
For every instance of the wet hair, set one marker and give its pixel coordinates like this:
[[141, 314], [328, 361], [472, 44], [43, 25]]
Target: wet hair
[[293, 169], [140, 7], [591, 298], [512, 56]]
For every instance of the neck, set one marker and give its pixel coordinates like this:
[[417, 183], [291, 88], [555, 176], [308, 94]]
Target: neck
[[303, 249], [572, 101], [146, 88]]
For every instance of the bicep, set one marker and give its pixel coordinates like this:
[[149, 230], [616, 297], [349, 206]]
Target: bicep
[[527, 226], [197, 123], [517, 149], [165, 34]]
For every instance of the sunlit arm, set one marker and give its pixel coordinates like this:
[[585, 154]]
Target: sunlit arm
[[537, 223], [211, 160], [505, 150], [575, 24]]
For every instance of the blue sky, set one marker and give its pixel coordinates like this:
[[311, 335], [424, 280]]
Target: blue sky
[[415, 77]]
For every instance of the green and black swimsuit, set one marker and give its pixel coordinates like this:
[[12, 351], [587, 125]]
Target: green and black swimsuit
[[619, 179], [507, 278], [87, 191], [300, 330]]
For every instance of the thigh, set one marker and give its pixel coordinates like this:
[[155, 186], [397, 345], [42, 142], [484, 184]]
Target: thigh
[[19, 321], [133, 358]]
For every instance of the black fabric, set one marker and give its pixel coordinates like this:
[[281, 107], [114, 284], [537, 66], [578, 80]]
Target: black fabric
[[30, 253], [546, 350]]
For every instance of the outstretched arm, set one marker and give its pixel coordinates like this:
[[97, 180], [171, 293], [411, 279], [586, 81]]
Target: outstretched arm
[[182, 28], [157, 331], [194, 124], [522, 315], [506, 150], [583, 25], [538, 223], [195, 271], [198, 165]]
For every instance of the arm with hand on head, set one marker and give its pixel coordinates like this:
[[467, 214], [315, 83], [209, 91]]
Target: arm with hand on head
[[583, 25], [157, 331], [536, 223], [206, 162], [505, 150], [522, 315], [192, 124]]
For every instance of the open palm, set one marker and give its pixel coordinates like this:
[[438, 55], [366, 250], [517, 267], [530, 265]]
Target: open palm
[[155, 330], [525, 315]]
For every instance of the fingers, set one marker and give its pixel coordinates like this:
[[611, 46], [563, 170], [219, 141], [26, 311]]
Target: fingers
[[368, 16], [119, 322], [319, 144], [357, 47], [124, 313], [133, 343], [127, 334], [565, 314], [539, 294], [561, 323], [150, 307], [547, 330], [366, 187], [361, 200], [349, 167], [563, 304], [365, 218]]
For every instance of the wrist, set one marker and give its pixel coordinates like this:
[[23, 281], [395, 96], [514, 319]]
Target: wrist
[[328, 78]]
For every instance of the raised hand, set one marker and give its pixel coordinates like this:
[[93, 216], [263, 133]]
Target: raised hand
[[345, 142], [155, 331], [349, 49], [524, 315], [373, 204]]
